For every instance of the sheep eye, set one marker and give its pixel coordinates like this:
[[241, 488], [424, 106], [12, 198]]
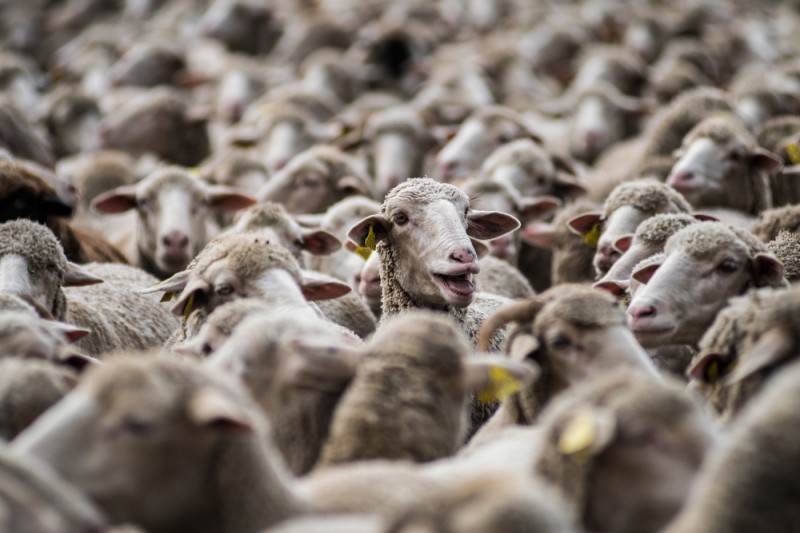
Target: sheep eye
[[224, 290], [560, 343], [728, 266], [734, 157], [400, 219], [136, 426], [206, 349]]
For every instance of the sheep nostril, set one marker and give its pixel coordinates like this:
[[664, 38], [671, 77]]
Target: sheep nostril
[[643, 311]]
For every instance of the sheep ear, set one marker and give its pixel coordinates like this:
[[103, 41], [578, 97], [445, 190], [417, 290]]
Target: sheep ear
[[587, 432], [765, 160], [315, 289], [709, 368], [538, 207], [320, 242], [228, 199], [323, 368], [774, 347], [486, 225], [378, 224], [169, 286], [481, 248], [77, 276], [309, 220], [616, 287], [584, 224], [78, 361], [352, 186], [116, 200], [539, 234], [209, 407], [568, 185], [702, 217], [644, 274], [767, 270], [494, 378], [71, 333], [623, 243], [188, 299]]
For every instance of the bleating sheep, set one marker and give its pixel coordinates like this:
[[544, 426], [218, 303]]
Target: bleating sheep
[[173, 217], [32, 264], [422, 236]]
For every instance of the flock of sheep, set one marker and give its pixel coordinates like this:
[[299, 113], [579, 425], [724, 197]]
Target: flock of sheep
[[375, 266]]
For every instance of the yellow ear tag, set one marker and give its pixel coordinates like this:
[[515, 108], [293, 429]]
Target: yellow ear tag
[[794, 153], [371, 241], [168, 296], [712, 372], [363, 252], [188, 309], [593, 237], [502, 384], [578, 435]]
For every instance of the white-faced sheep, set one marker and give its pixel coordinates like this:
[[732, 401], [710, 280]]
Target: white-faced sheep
[[32, 264], [315, 179], [623, 451], [422, 236], [628, 205], [705, 264], [174, 217]]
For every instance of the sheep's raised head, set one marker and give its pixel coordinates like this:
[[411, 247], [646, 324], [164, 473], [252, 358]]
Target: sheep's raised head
[[424, 230]]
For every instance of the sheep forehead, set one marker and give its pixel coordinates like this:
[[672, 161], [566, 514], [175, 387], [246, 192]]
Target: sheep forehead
[[126, 380], [169, 178], [723, 131], [656, 230], [582, 307], [252, 257], [648, 195], [706, 241], [34, 242], [269, 214], [422, 191]]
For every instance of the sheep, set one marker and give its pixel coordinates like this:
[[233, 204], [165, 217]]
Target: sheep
[[315, 179], [532, 170], [705, 264], [32, 264], [771, 222], [72, 120], [369, 284], [238, 170], [242, 26], [173, 221], [572, 256], [160, 122], [750, 341], [337, 220], [272, 221], [779, 136], [25, 194], [479, 135], [745, 483], [623, 451], [719, 156], [24, 335], [499, 196], [422, 236], [28, 388], [34, 498], [649, 239], [149, 64], [413, 387], [20, 138], [628, 205], [296, 366], [786, 247], [488, 503], [570, 332], [240, 266]]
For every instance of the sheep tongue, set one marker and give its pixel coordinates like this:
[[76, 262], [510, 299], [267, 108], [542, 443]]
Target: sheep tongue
[[459, 284]]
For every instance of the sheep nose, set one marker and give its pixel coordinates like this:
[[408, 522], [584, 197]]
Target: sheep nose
[[681, 178], [594, 140], [448, 168], [640, 311], [463, 255], [175, 241], [606, 256]]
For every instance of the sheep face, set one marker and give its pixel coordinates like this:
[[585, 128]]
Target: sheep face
[[315, 180], [173, 210], [429, 237], [623, 221], [600, 119], [724, 174], [151, 426], [705, 265]]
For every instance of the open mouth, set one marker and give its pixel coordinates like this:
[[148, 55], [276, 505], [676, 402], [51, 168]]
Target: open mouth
[[459, 285]]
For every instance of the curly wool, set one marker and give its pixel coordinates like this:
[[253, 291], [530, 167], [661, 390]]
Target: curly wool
[[775, 134], [266, 214], [647, 195], [773, 221], [655, 231], [723, 129], [421, 191], [702, 241], [333, 163], [580, 305], [786, 247]]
